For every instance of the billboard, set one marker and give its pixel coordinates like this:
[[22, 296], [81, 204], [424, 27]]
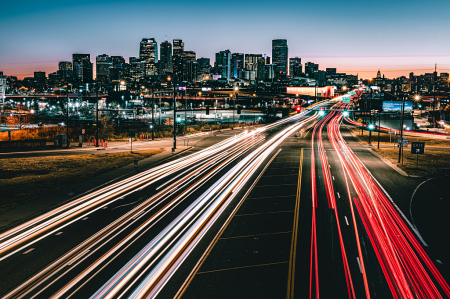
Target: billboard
[[397, 105], [326, 91]]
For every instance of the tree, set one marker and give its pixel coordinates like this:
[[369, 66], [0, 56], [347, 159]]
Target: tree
[[107, 127]]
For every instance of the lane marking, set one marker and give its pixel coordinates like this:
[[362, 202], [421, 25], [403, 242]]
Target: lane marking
[[57, 234], [439, 261], [28, 251], [395, 206], [85, 218], [333, 177], [275, 212], [359, 264], [291, 273], [346, 219], [208, 250], [248, 236], [260, 265], [338, 194]]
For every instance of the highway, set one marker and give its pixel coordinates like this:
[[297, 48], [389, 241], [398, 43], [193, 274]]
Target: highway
[[156, 218], [265, 213]]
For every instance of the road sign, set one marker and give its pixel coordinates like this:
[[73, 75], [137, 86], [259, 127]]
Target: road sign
[[132, 133], [402, 145], [417, 148], [360, 121], [346, 101]]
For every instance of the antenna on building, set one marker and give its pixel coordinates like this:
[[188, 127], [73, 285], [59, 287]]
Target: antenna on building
[[165, 39]]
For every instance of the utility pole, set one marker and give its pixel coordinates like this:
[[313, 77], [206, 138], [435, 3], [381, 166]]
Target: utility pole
[[96, 112], [185, 112], [67, 125], [153, 113], [400, 149], [379, 120], [174, 117]]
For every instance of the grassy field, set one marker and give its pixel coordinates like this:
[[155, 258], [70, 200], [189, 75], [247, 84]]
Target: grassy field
[[24, 179], [434, 162]]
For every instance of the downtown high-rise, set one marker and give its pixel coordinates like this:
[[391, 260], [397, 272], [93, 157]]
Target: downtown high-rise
[[148, 51], [280, 56], [82, 68]]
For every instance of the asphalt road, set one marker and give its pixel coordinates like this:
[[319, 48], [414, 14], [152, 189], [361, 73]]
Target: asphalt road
[[253, 216], [76, 248]]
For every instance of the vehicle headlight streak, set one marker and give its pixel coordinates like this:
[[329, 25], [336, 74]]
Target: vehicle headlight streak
[[42, 226], [112, 230], [195, 221]]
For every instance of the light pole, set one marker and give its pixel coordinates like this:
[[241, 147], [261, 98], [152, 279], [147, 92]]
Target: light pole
[[400, 149], [236, 89], [96, 112], [153, 113], [174, 115]]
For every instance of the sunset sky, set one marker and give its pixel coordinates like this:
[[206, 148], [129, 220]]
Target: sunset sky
[[361, 37]]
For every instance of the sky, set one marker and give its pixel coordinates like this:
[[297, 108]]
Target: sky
[[356, 37]]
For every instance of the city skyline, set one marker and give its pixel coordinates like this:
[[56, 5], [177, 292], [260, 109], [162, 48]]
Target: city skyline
[[352, 37]]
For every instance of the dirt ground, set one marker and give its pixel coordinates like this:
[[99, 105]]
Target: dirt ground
[[23, 179]]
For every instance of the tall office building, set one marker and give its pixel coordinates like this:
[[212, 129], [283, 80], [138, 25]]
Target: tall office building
[[166, 62], [311, 70], [280, 56], [137, 69], [178, 47], [103, 66], [2, 88], [82, 68], [65, 70], [187, 56], [177, 60], [251, 60], [148, 51], [237, 64], [295, 67], [222, 65]]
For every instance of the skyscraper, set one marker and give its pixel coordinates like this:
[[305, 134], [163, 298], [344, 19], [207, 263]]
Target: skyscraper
[[177, 61], [165, 50], [65, 70], [148, 51], [222, 65], [2, 88], [178, 47], [280, 56], [237, 64], [311, 70], [187, 56], [103, 65], [295, 67], [82, 68]]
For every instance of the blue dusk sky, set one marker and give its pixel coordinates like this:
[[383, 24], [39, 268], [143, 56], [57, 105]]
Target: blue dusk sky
[[353, 36]]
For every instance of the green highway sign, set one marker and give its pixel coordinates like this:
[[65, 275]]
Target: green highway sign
[[417, 148]]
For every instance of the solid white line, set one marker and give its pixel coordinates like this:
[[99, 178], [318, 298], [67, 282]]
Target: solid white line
[[396, 207], [346, 219], [28, 251], [338, 194], [359, 264]]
